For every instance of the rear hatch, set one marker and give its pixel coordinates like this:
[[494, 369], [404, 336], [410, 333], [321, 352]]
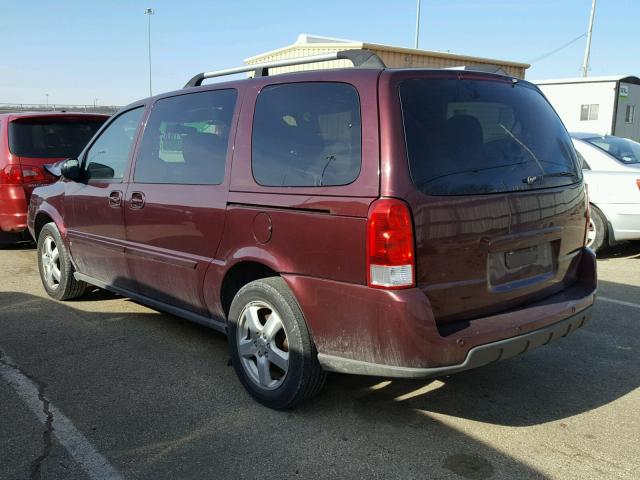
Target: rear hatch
[[42, 139], [498, 200]]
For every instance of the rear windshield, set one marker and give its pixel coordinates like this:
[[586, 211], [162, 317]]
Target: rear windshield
[[51, 137], [625, 150], [477, 136]]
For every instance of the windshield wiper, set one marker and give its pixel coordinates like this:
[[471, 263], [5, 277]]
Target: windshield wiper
[[522, 144], [531, 179]]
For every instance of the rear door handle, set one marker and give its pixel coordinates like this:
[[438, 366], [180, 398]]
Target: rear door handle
[[137, 201], [115, 199]]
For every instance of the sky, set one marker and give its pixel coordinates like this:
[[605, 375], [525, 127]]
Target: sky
[[81, 52]]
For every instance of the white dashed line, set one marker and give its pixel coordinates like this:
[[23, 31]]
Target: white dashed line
[[95, 465], [619, 302]]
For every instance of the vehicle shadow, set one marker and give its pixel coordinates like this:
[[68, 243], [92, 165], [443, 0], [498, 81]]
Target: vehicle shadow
[[23, 245], [622, 250]]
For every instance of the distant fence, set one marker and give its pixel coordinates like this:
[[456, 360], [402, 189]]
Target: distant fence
[[34, 107]]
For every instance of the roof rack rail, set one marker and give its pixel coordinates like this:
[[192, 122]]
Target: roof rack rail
[[359, 58]]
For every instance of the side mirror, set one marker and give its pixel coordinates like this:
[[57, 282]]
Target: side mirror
[[70, 169]]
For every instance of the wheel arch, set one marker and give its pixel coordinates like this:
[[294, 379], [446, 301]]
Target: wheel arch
[[238, 275], [44, 216], [610, 237]]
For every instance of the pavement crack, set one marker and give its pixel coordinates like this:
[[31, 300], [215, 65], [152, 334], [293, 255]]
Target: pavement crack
[[47, 434]]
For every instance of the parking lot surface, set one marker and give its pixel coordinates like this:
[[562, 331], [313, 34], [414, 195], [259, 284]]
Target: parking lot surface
[[103, 387]]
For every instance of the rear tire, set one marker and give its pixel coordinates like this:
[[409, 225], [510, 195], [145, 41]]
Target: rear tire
[[597, 234], [54, 264], [271, 348]]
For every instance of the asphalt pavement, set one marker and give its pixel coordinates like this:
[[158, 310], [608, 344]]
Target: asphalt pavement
[[102, 387]]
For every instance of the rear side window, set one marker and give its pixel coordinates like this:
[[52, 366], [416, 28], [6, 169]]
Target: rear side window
[[185, 140], [53, 137], [307, 135], [483, 136]]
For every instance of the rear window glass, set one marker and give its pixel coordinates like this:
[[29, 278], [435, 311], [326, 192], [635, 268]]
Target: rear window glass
[[51, 137], [483, 136], [625, 150], [307, 135]]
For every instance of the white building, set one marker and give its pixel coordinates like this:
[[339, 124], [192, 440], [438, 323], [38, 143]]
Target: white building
[[603, 105]]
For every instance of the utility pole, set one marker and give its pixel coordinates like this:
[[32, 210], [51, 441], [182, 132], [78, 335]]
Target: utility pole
[[417, 24], [47, 95], [587, 52], [149, 12]]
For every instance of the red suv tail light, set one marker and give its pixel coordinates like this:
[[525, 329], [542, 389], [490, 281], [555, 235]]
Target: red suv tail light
[[638, 183], [11, 175], [390, 252], [34, 174]]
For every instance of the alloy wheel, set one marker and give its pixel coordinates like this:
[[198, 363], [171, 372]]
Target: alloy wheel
[[263, 345], [51, 263]]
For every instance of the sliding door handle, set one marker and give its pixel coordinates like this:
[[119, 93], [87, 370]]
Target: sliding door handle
[[137, 201], [115, 199]]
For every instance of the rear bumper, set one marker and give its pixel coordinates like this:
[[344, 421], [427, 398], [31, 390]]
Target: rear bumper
[[13, 209], [477, 356], [361, 330]]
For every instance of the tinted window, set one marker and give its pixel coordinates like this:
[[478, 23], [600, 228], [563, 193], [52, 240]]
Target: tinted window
[[185, 140], [107, 157], [52, 137], [307, 134], [483, 136], [625, 150]]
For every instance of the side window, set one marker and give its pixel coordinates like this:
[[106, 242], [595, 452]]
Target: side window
[[185, 140], [107, 157], [307, 134]]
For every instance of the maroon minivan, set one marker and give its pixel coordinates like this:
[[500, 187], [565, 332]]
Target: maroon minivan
[[386, 222]]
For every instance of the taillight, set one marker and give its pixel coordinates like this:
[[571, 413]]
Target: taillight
[[587, 214], [11, 175], [638, 183], [390, 252], [34, 174]]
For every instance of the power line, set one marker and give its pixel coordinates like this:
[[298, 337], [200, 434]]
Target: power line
[[556, 50]]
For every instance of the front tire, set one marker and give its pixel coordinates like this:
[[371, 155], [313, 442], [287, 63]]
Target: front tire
[[54, 263], [271, 348]]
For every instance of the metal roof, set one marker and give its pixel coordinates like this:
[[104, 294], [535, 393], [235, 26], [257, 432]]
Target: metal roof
[[313, 41], [609, 78]]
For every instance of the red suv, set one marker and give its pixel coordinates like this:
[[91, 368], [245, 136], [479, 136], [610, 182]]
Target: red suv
[[397, 223], [27, 142]]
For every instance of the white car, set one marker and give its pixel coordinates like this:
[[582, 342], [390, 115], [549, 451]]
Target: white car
[[613, 180]]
